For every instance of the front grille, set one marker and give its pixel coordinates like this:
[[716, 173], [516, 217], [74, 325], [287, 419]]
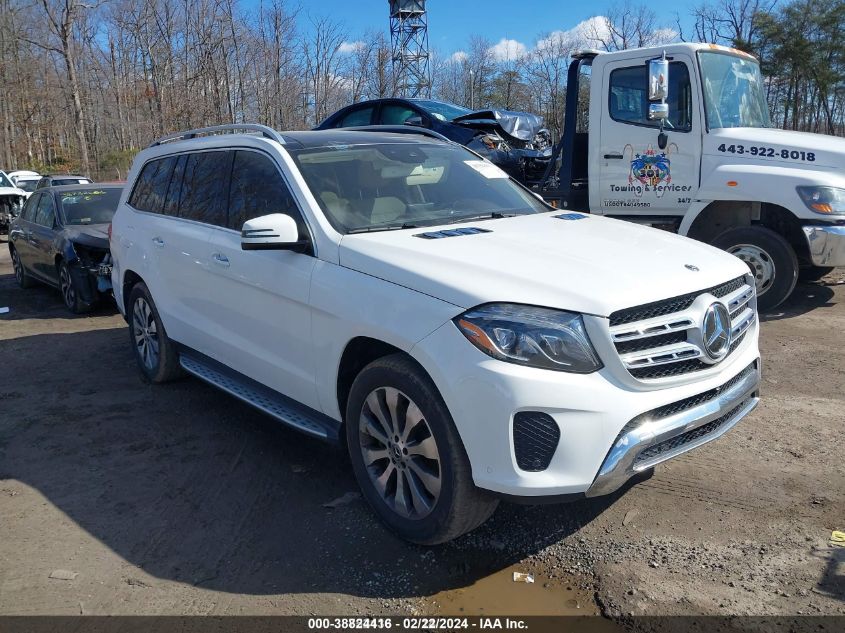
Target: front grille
[[535, 439], [674, 443], [668, 306], [663, 339]]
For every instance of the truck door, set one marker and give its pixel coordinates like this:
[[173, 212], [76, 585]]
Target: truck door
[[636, 176]]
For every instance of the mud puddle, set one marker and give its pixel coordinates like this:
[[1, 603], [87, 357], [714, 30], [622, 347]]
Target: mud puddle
[[498, 594]]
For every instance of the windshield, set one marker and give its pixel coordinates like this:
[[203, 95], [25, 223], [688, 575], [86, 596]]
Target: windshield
[[89, 206], [4, 181], [406, 185], [733, 91], [442, 111], [27, 185]]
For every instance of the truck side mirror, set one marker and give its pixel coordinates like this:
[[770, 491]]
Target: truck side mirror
[[658, 111], [658, 79]]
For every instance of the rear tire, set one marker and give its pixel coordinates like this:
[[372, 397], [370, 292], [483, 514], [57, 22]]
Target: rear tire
[[155, 353], [21, 276], [814, 273], [408, 457], [770, 258]]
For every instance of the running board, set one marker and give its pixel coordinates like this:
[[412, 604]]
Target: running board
[[274, 404]]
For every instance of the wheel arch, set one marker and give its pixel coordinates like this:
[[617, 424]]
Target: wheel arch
[[130, 280], [714, 218], [358, 353]]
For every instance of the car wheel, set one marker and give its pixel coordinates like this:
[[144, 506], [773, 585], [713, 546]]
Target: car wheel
[[155, 353], [21, 276], [407, 456], [70, 292], [770, 258], [814, 273]]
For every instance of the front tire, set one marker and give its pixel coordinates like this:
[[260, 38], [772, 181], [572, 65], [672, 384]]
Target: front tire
[[70, 291], [155, 353], [407, 456], [770, 258]]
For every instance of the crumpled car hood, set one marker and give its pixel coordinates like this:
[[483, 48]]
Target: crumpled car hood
[[523, 126], [12, 191], [93, 235]]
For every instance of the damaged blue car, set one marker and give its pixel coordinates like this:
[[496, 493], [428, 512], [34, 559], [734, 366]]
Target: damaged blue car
[[61, 239]]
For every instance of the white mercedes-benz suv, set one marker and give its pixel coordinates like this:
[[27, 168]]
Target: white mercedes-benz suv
[[399, 294]]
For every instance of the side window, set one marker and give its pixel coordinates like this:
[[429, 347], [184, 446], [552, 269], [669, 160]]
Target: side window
[[174, 190], [151, 185], [359, 116], [259, 189], [205, 186], [394, 114], [45, 216], [28, 212], [629, 96]]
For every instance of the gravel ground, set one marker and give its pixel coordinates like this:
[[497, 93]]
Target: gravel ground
[[179, 500]]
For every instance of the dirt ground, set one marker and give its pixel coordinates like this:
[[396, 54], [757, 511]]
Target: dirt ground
[[178, 499]]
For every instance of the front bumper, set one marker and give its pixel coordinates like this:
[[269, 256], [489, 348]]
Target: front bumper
[[648, 440], [603, 420], [826, 243]]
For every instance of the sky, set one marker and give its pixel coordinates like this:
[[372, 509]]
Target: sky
[[451, 23]]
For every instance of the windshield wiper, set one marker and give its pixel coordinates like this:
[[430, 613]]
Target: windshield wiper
[[388, 227], [495, 215]]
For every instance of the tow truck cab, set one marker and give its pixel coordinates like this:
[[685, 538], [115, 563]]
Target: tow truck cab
[[679, 137]]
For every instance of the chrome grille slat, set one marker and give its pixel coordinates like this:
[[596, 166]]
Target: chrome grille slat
[[675, 324]]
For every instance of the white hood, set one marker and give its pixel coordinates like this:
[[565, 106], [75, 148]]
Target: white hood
[[12, 191], [592, 265]]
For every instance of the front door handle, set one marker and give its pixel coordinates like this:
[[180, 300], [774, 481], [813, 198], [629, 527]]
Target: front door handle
[[614, 156], [220, 259], [158, 242]]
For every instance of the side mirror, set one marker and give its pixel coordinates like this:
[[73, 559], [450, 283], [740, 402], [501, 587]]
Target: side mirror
[[274, 232], [658, 111], [658, 79], [415, 120]]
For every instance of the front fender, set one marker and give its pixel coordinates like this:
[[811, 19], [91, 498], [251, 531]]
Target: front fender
[[758, 183]]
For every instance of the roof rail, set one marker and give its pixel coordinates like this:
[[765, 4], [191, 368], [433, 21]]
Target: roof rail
[[395, 129], [266, 132]]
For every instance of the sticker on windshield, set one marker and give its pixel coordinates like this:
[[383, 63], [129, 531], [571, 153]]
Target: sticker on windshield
[[488, 170]]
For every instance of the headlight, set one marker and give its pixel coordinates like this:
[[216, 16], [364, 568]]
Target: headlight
[[824, 200], [526, 335]]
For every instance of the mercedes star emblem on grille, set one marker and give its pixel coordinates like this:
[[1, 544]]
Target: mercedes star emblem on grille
[[716, 331]]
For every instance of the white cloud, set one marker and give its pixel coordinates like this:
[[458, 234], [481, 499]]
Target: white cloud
[[508, 50], [458, 56], [350, 47], [585, 34], [663, 36]]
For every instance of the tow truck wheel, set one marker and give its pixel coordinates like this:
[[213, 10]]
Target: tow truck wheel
[[770, 258], [814, 273]]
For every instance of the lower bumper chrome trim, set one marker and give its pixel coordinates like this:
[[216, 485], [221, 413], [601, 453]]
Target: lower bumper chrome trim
[[673, 435]]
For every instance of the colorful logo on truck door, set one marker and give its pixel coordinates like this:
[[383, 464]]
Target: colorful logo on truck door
[[650, 168]]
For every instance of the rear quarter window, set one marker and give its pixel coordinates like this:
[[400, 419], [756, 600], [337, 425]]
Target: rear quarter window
[[150, 188]]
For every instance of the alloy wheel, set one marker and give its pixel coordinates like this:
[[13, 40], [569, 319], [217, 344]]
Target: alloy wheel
[[18, 266], [145, 333], [400, 453], [761, 265], [66, 284]]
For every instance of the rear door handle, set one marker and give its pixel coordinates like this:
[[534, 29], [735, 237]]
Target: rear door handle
[[220, 259], [158, 242], [614, 156]]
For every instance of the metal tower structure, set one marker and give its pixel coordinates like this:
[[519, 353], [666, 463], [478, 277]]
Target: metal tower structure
[[409, 42]]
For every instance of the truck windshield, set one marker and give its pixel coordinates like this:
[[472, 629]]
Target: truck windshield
[[383, 186], [733, 91]]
